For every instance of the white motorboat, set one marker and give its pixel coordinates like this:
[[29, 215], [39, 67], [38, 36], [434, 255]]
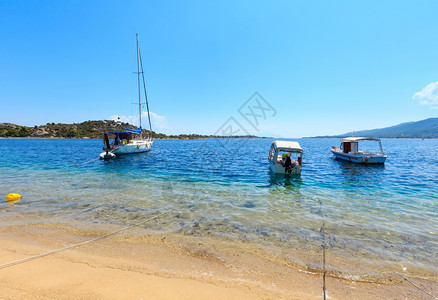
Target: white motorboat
[[130, 141], [286, 157], [349, 151]]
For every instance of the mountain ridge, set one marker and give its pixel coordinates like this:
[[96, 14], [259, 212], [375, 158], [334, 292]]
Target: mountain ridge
[[427, 128]]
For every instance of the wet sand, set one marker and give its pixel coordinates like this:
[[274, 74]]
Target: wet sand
[[138, 264]]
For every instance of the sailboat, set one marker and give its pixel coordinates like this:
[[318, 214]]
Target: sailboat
[[130, 141]]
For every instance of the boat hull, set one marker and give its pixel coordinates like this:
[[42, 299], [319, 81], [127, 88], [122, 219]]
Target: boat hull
[[136, 146], [360, 158], [278, 168]]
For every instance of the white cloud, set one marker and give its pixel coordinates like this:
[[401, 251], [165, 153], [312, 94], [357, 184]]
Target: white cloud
[[158, 122], [428, 95]]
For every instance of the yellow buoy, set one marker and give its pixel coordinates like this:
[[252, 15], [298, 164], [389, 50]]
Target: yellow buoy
[[13, 197]]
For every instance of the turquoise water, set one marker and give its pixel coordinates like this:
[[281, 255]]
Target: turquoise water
[[369, 219]]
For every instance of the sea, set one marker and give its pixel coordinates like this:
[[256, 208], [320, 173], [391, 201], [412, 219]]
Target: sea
[[368, 222]]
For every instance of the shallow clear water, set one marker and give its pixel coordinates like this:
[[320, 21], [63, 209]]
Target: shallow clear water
[[368, 218]]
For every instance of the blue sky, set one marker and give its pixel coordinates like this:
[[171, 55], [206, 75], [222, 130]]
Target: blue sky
[[327, 67]]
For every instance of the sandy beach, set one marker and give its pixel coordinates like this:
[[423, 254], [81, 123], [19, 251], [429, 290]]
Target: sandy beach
[[218, 150], [136, 264]]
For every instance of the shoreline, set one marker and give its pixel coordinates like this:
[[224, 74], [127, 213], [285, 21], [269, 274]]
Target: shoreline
[[218, 137], [96, 138], [165, 266]]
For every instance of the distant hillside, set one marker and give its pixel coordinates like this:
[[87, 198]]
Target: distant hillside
[[88, 129], [421, 129]]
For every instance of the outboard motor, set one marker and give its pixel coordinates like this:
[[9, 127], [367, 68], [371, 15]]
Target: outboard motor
[[106, 155], [106, 142]]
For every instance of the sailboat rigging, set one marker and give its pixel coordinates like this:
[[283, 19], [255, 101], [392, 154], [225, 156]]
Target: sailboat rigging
[[131, 140]]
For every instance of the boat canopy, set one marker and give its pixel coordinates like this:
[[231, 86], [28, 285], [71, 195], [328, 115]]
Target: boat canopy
[[358, 139], [139, 130], [122, 134], [287, 146]]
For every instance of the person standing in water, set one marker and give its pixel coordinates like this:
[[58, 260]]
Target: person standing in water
[[288, 164]]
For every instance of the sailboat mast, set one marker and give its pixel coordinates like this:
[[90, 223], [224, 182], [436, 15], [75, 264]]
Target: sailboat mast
[[146, 98], [139, 86]]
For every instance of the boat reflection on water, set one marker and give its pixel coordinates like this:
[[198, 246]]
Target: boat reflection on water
[[360, 172], [285, 180], [285, 193]]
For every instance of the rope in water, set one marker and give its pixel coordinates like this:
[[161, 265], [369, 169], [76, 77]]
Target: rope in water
[[78, 244], [87, 162], [420, 288], [324, 246], [160, 214]]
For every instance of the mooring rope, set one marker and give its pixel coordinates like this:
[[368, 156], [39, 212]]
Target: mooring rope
[[87, 162], [324, 247], [78, 244], [322, 232], [418, 287]]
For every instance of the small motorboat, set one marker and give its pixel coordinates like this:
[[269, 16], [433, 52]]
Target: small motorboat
[[349, 151], [106, 155], [285, 157]]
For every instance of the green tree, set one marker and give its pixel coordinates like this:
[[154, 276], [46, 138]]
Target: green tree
[[24, 131], [12, 132], [72, 133]]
